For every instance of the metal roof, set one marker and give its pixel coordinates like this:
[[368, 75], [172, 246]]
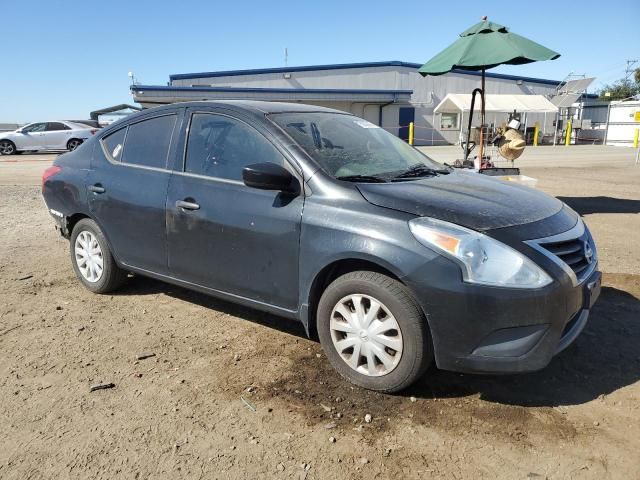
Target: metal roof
[[123, 106], [565, 101], [198, 88], [579, 85], [152, 94], [343, 66]]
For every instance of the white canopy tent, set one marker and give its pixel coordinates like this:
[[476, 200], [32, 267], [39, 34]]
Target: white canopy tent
[[494, 103], [461, 102]]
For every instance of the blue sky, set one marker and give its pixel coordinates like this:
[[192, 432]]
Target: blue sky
[[62, 59]]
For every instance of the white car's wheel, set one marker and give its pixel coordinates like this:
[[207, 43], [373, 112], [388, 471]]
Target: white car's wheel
[[73, 144], [7, 147]]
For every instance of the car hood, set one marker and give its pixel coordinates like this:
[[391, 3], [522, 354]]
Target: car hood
[[469, 199]]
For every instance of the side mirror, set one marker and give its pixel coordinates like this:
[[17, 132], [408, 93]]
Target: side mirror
[[269, 176]]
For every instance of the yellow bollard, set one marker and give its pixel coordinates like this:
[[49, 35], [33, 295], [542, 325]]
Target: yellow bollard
[[536, 131], [567, 140], [410, 133], [635, 138]]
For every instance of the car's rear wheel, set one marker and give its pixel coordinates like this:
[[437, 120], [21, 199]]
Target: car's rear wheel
[[7, 147], [73, 144], [92, 259], [373, 331]]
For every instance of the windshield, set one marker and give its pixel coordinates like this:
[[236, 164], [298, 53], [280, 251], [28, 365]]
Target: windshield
[[351, 148]]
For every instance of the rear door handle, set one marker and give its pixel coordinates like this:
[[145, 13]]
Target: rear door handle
[[187, 205], [97, 188]]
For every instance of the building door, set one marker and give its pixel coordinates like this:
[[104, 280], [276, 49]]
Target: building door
[[405, 117]]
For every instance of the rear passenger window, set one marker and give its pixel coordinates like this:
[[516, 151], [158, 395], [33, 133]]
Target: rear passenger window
[[114, 143], [147, 143], [221, 147], [55, 126]]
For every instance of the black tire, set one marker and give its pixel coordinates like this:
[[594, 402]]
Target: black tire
[[112, 277], [73, 144], [7, 147], [417, 350]]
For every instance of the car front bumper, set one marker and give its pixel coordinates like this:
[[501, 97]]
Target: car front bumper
[[479, 329]]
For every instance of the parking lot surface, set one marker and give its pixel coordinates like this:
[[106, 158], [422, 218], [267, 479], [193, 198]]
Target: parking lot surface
[[235, 393]]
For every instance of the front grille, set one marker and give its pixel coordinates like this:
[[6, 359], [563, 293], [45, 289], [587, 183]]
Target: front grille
[[577, 253]]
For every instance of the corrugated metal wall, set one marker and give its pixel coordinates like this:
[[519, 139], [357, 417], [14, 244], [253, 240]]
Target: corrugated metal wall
[[427, 93]]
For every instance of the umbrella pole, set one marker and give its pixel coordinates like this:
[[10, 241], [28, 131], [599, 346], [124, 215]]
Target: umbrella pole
[[482, 114], [467, 150]]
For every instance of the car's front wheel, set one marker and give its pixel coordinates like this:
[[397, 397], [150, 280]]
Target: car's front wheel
[[7, 147], [373, 331], [73, 144], [92, 259]]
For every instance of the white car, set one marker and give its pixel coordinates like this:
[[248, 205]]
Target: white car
[[60, 135]]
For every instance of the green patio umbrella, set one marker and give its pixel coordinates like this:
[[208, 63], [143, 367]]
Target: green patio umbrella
[[486, 45]]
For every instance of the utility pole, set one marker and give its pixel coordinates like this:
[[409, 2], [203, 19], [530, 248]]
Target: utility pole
[[629, 70], [286, 57]]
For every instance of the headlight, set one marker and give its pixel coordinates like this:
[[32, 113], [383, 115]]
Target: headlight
[[483, 260]]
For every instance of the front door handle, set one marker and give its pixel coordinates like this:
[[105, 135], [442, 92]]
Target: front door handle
[[185, 205], [97, 188]]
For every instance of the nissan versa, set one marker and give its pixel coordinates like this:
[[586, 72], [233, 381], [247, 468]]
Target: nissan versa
[[393, 260]]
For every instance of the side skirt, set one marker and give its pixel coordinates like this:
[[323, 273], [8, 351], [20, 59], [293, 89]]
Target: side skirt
[[266, 307]]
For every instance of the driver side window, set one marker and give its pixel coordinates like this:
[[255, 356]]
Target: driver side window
[[36, 127], [219, 146]]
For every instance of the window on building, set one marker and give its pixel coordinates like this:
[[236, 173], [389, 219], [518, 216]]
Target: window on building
[[449, 121], [221, 147], [114, 143], [147, 143]]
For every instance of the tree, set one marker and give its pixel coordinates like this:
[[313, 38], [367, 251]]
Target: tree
[[621, 89]]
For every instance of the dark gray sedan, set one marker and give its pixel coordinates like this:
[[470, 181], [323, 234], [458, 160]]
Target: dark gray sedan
[[393, 260]]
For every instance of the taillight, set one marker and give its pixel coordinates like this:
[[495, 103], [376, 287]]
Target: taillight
[[50, 172]]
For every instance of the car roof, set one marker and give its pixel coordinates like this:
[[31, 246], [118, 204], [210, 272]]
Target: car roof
[[273, 107], [76, 124], [254, 106]]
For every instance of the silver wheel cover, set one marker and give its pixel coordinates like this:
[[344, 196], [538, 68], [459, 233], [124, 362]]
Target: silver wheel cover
[[366, 335], [88, 255]]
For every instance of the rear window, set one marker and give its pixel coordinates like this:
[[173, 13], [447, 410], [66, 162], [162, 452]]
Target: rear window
[[147, 142], [114, 143], [55, 126]]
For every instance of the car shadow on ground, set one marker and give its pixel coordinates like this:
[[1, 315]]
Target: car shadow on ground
[[147, 286], [602, 360], [588, 205]]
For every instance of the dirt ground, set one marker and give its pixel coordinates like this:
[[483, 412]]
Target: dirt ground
[[235, 393]]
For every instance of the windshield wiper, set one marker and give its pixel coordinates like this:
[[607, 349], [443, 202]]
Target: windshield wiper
[[362, 178], [420, 170]]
